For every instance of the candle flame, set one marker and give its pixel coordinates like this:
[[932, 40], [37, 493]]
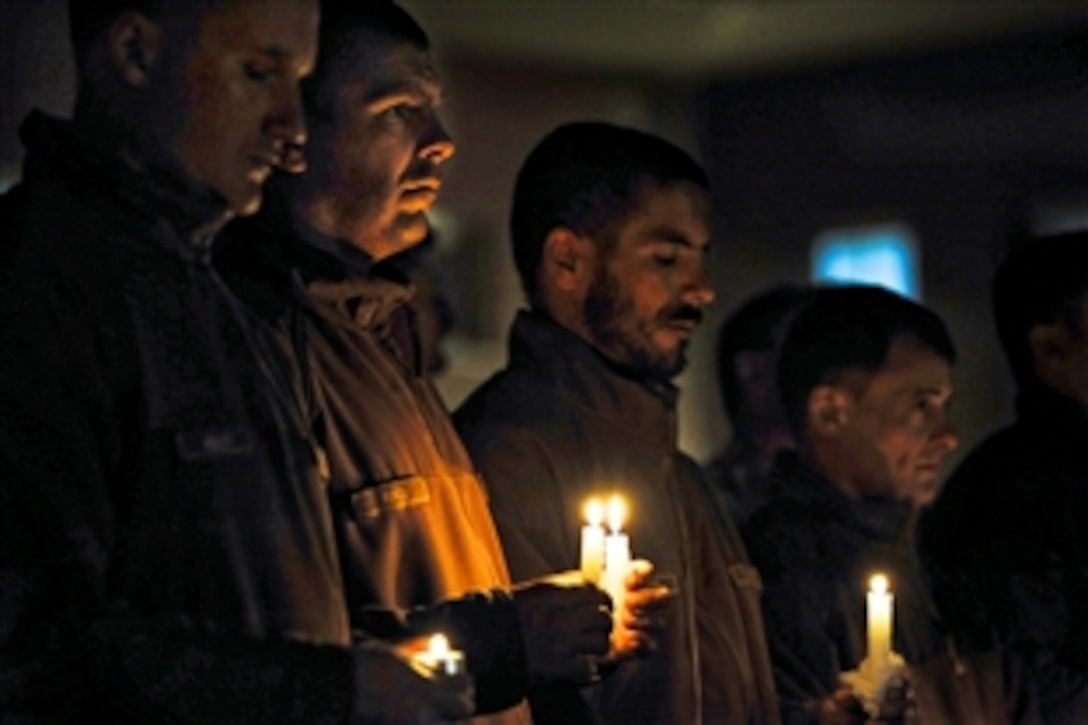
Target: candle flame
[[878, 584], [616, 512], [594, 512], [439, 646]]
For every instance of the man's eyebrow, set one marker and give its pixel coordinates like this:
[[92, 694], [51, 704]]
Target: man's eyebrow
[[380, 88], [273, 51], [670, 235]]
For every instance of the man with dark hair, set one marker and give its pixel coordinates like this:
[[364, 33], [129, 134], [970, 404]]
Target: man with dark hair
[[747, 351], [610, 232], [1006, 539], [319, 263], [165, 549], [865, 378]]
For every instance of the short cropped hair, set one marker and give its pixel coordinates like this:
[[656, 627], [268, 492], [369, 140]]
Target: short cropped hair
[[586, 176], [759, 324], [347, 28], [1042, 280], [88, 19], [849, 328]]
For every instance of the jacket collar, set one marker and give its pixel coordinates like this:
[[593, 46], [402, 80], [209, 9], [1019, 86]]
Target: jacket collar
[[645, 406], [794, 480], [280, 245], [60, 151]]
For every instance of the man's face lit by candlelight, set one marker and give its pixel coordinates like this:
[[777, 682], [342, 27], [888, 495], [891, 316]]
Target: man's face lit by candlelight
[[651, 281]]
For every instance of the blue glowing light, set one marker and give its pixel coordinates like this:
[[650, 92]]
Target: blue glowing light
[[884, 255]]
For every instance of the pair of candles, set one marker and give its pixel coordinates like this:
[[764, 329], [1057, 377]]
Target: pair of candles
[[605, 556]]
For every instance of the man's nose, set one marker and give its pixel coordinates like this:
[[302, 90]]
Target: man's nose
[[947, 435], [699, 288], [437, 145], [287, 127]]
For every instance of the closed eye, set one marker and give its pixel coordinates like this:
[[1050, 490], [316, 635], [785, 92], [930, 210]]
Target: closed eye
[[257, 73]]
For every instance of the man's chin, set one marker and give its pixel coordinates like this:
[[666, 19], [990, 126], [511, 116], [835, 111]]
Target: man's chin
[[410, 229], [926, 493]]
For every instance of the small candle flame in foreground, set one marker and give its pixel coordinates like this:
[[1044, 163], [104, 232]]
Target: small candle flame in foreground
[[439, 646]]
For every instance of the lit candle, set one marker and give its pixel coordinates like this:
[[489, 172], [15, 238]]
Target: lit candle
[[592, 558], [439, 657], [617, 555], [879, 623]]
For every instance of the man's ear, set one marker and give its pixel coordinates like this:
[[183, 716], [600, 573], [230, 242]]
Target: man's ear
[[828, 410], [566, 260], [1048, 343], [133, 43]]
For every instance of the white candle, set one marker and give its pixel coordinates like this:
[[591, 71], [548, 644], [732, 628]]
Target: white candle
[[592, 555], [879, 622], [617, 555], [438, 656]]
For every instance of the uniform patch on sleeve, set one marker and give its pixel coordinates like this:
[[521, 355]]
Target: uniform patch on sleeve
[[394, 496]]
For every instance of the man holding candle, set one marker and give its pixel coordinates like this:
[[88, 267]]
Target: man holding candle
[[610, 231], [866, 381], [318, 265], [1006, 540]]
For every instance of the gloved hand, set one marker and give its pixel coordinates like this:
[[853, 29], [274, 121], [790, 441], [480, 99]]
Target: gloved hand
[[641, 621], [565, 624], [843, 707], [391, 687]]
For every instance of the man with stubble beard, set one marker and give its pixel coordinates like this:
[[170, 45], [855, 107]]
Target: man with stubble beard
[[417, 541], [610, 231]]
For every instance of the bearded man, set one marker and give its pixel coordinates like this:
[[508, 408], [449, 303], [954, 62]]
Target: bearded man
[[610, 233]]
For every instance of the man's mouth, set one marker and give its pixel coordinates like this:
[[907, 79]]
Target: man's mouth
[[683, 320], [420, 195]]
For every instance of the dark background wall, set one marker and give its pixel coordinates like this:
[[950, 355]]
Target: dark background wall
[[962, 145]]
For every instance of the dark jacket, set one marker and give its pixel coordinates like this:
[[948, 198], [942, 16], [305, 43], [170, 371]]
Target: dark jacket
[[412, 520], [166, 551], [1008, 547], [735, 479], [558, 426], [816, 549]]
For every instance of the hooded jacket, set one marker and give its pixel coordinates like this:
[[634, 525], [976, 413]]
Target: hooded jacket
[[559, 425], [166, 549], [413, 525]]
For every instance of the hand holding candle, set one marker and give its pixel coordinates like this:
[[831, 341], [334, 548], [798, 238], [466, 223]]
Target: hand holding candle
[[878, 673]]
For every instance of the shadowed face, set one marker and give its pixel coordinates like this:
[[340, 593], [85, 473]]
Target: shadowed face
[[651, 281], [239, 107], [897, 431], [376, 167]]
